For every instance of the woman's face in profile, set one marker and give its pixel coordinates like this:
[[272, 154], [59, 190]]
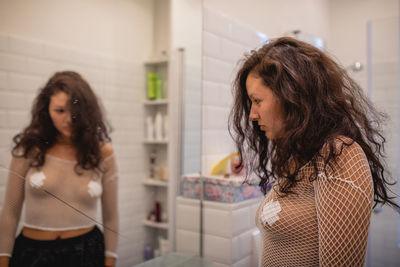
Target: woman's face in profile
[[266, 108], [60, 114]]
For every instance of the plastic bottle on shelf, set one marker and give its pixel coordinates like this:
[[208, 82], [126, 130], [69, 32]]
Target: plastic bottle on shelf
[[157, 211], [149, 128], [151, 85], [164, 217], [148, 252], [158, 126], [159, 88], [164, 245], [165, 126], [153, 156]]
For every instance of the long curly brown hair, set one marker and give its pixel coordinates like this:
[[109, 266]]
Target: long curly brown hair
[[90, 128], [320, 103]]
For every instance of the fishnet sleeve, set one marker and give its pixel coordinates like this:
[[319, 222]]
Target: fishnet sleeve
[[344, 199], [12, 205], [109, 205]]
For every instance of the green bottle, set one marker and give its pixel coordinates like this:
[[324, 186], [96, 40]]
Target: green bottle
[[151, 85], [159, 88]]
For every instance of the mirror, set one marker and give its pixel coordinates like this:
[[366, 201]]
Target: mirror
[[114, 45]]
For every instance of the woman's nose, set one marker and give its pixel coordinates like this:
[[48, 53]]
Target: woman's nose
[[253, 115], [68, 118]]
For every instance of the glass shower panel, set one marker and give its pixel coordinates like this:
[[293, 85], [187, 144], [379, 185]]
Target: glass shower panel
[[383, 90]]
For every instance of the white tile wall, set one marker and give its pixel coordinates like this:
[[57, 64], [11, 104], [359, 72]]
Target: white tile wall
[[384, 236], [25, 65], [228, 229], [384, 245], [245, 262], [218, 249], [188, 212], [182, 236], [224, 43]]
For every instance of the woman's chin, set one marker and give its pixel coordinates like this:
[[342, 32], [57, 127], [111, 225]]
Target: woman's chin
[[65, 136]]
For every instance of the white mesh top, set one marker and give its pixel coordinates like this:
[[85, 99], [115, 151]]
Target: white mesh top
[[57, 199], [326, 222]]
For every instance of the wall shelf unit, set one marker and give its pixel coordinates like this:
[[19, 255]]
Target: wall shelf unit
[[157, 225], [156, 61], [156, 141], [156, 102], [154, 182], [162, 152]]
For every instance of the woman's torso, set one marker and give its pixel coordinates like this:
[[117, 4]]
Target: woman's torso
[[326, 220], [288, 226], [59, 203]]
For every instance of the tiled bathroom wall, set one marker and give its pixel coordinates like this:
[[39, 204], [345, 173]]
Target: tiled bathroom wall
[[384, 234], [227, 231], [384, 87], [224, 42], [25, 66]]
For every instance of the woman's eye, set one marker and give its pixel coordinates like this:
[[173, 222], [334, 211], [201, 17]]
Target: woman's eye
[[59, 110], [257, 101]]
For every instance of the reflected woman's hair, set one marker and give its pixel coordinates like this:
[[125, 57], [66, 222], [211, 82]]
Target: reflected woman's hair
[[89, 126], [320, 102]]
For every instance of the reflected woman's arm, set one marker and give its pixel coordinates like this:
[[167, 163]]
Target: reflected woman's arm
[[109, 205], [12, 206]]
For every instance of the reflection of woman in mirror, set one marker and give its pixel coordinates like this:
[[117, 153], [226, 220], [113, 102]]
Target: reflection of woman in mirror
[[62, 165], [301, 123]]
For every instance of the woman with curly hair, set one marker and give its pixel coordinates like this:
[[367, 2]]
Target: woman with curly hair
[[306, 129], [62, 164]]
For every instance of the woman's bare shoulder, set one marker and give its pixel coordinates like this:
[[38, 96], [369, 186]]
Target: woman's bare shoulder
[[106, 150]]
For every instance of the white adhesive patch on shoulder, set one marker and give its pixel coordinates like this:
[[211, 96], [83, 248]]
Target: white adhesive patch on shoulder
[[270, 212], [94, 189], [36, 179]]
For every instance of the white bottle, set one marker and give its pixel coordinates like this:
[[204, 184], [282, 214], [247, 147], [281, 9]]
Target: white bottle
[[158, 126], [164, 246], [149, 128], [165, 126]]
